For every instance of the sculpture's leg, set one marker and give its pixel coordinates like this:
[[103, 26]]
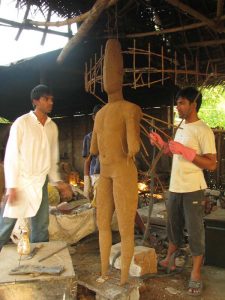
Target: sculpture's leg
[[105, 209], [125, 193]]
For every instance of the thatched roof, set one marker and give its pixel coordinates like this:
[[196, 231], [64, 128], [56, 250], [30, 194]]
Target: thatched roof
[[188, 34], [188, 27]]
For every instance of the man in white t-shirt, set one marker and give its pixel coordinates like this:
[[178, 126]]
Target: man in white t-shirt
[[193, 150]]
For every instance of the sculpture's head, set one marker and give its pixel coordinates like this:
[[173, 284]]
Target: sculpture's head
[[113, 67]]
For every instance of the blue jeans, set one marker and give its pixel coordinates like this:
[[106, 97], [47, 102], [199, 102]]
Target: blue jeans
[[39, 223]]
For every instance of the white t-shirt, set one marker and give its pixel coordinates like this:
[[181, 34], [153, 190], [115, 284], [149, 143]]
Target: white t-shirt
[[185, 175], [31, 155]]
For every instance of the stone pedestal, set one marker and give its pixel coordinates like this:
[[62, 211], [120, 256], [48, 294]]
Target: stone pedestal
[[143, 262]]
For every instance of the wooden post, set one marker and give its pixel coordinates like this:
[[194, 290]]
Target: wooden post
[[86, 78], [185, 64], [91, 75], [46, 28], [149, 65], [175, 67], [134, 63], [219, 137], [196, 68], [101, 68], [95, 72], [24, 19], [162, 62]]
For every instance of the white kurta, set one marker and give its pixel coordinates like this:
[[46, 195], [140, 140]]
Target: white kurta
[[31, 155]]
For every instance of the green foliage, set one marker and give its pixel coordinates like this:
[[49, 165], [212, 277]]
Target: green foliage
[[212, 110], [4, 121]]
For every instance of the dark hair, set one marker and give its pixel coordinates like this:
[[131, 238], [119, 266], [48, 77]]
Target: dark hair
[[96, 109], [191, 94], [39, 91]]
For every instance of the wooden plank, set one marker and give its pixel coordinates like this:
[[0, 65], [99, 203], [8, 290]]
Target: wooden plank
[[9, 259]]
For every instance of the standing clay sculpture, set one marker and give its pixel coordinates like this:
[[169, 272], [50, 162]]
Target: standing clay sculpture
[[116, 139]]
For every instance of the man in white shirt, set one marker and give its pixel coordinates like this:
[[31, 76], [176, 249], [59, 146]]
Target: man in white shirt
[[31, 158], [193, 150]]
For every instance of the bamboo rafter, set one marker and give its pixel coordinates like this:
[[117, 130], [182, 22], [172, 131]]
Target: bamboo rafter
[[166, 68]]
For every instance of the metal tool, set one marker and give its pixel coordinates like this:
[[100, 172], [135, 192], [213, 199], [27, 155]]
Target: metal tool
[[51, 254]]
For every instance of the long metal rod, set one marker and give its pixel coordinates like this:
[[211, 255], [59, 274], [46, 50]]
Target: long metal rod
[[51, 254]]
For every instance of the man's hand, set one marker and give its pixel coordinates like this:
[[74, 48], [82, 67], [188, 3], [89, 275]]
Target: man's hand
[[156, 140], [186, 152], [11, 195], [65, 190]]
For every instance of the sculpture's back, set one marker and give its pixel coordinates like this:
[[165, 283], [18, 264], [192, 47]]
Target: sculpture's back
[[116, 138]]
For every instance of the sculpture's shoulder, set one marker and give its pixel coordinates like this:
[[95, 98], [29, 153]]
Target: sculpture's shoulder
[[133, 108], [100, 114]]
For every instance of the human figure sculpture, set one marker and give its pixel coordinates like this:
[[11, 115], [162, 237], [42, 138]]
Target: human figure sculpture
[[116, 138]]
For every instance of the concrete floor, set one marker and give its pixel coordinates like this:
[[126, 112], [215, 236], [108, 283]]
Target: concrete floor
[[86, 263]]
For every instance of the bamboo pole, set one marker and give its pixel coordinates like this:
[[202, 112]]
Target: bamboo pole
[[149, 65], [102, 101], [185, 64], [157, 128], [46, 27], [196, 65], [162, 63], [145, 52], [28, 26], [95, 72], [187, 9], [159, 120], [134, 63], [102, 57], [25, 18], [86, 78], [91, 75], [169, 30], [175, 68]]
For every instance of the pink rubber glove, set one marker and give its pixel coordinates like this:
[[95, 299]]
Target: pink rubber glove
[[178, 148], [156, 140]]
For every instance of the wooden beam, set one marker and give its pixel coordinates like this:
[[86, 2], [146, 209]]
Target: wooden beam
[[187, 9], [169, 30], [22, 26], [31, 27], [211, 43], [220, 4], [46, 27], [95, 12], [77, 19]]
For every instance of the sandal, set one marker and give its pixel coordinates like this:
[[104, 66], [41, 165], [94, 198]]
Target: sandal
[[195, 288], [168, 269]]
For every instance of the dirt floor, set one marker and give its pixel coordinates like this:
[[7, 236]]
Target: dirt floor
[[86, 261]]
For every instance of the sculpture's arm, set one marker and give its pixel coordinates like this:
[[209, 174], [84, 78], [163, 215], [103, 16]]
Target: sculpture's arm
[[94, 143], [133, 118]]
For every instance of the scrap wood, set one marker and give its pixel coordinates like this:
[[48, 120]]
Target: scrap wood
[[36, 270]]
